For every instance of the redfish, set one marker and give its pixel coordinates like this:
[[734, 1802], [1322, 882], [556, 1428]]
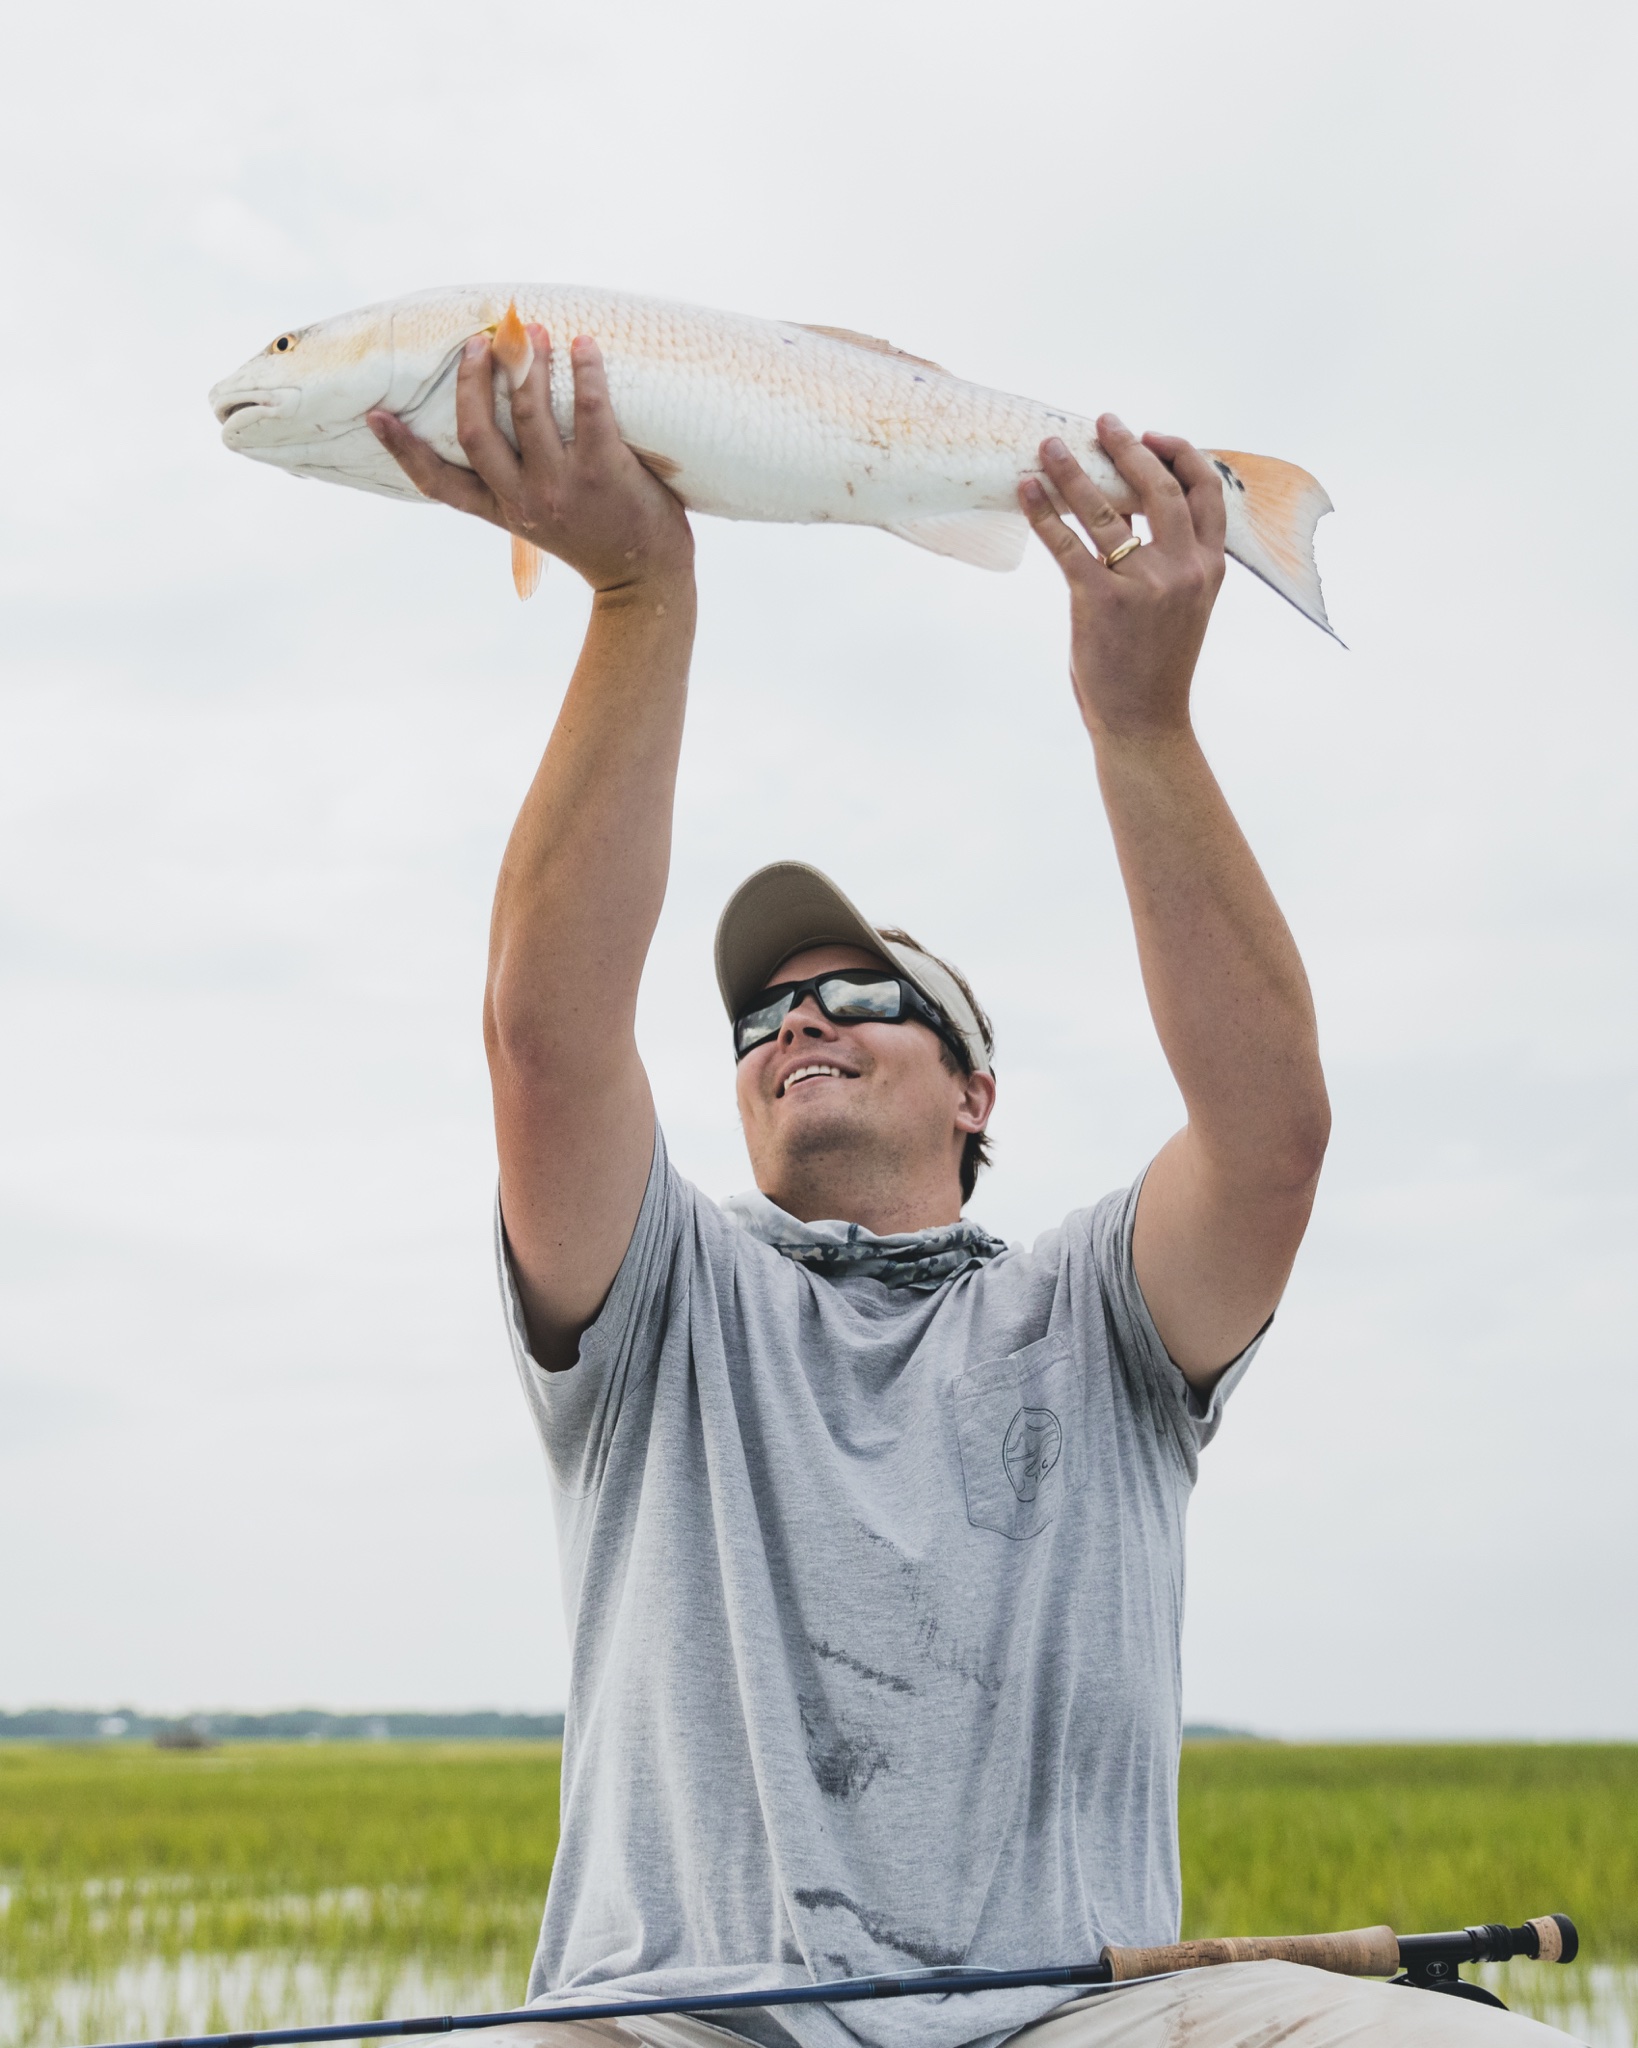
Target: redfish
[[742, 418]]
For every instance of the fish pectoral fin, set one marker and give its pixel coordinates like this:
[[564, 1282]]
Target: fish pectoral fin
[[528, 566], [870, 341], [988, 540], [514, 351], [662, 465]]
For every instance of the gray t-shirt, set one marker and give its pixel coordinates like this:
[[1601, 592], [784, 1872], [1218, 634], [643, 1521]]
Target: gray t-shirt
[[874, 1598]]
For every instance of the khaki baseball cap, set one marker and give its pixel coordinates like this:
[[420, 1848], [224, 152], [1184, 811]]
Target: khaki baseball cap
[[787, 907]]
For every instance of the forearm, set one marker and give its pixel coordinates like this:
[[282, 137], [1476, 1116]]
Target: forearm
[[1225, 984], [584, 874], [580, 892], [1224, 1205]]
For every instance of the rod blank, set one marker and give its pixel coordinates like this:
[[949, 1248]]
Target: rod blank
[[843, 1991]]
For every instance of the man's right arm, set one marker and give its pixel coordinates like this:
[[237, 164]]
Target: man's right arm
[[584, 872]]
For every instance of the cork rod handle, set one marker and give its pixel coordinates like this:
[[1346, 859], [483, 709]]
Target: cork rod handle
[[1364, 1952]]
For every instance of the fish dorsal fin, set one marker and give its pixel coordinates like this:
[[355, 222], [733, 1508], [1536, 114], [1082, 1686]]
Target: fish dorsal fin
[[528, 564], [986, 540], [870, 341]]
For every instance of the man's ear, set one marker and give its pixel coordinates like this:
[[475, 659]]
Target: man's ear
[[977, 1101]]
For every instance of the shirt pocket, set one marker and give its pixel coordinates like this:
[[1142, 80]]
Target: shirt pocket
[[1021, 1428]]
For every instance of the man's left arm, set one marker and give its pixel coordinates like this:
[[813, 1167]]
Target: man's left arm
[[1225, 1204]]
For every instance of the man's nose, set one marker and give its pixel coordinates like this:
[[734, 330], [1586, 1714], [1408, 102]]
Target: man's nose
[[805, 1020]]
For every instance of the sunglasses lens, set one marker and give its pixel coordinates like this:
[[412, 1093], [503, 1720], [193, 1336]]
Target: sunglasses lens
[[844, 999], [757, 1025], [854, 1001]]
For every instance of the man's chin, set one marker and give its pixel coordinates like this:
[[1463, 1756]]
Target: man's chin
[[822, 1123], [818, 1128]]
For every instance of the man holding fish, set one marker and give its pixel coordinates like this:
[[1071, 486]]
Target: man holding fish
[[872, 1528]]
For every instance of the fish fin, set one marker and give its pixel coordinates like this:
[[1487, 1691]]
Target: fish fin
[[528, 565], [988, 540], [1273, 508], [514, 351], [662, 465], [870, 341]]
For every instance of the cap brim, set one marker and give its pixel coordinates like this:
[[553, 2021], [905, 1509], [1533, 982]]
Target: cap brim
[[780, 910]]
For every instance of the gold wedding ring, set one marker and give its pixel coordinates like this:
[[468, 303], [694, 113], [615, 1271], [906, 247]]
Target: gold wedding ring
[[1127, 547]]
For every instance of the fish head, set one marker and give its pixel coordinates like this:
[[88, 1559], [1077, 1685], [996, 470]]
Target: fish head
[[301, 402], [308, 385]]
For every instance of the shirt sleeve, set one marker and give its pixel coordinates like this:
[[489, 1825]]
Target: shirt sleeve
[[576, 1410], [1193, 1418]]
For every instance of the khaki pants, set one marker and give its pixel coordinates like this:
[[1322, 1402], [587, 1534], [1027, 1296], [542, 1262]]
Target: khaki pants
[[1255, 2005], [1239, 2005]]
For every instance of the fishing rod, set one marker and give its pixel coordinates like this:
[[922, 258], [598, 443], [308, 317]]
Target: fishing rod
[[1431, 1961]]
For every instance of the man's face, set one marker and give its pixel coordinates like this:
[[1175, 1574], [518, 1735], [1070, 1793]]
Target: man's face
[[823, 1103]]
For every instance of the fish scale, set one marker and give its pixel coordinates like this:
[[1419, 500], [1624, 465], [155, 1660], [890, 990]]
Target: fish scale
[[744, 418]]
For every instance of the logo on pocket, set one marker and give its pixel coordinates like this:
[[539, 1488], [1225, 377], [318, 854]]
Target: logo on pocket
[[1030, 1449]]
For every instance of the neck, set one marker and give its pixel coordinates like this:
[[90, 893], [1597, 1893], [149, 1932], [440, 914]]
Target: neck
[[884, 1199]]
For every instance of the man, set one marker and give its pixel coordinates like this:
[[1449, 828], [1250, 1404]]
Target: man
[[871, 1529]]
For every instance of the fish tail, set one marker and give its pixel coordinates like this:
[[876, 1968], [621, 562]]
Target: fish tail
[[1273, 508]]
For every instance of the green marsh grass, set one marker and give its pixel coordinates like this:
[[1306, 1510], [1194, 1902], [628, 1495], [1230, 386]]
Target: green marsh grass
[[146, 1891], [1280, 1838], [372, 1867]]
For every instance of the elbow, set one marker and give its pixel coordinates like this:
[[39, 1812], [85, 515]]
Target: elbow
[[1299, 1152], [1278, 1151], [542, 1048], [515, 1035]]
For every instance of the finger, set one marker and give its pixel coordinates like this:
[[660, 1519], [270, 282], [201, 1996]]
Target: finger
[[434, 478], [1060, 540], [1159, 492], [1104, 525], [596, 435], [1202, 483], [539, 442], [487, 448]]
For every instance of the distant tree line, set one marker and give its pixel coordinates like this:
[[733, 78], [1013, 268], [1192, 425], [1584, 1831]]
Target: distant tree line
[[303, 1724], [308, 1724]]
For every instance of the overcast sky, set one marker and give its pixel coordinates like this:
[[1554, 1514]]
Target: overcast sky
[[261, 742]]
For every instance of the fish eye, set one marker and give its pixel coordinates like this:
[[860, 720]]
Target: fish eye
[[284, 343]]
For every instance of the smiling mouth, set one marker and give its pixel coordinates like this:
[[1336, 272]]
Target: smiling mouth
[[819, 1071]]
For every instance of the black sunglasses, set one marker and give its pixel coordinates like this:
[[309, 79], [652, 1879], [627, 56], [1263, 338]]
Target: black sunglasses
[[852, 995]]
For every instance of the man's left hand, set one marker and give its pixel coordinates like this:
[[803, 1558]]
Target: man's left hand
[[1136, 628]]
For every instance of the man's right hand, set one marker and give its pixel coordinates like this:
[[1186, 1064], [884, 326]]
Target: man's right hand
[[589, 501]]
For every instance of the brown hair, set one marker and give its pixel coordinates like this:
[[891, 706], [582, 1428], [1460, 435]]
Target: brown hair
[[976, 1153]]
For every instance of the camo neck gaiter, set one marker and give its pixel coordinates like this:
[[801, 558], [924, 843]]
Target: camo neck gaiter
[[919, 1259]]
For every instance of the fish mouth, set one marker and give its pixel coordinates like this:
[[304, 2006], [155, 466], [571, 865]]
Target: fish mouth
[[237, 410]]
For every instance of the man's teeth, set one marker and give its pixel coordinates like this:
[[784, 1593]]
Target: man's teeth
[[808, 1073]]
